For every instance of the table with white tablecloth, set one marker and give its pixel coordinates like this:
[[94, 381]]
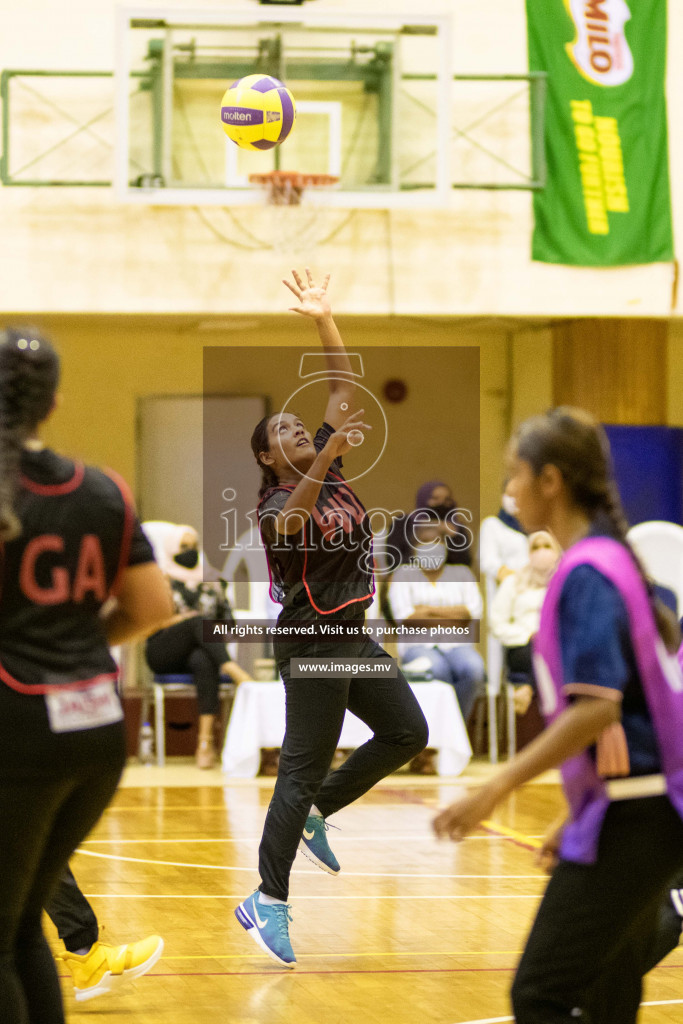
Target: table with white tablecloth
[[257, 721]]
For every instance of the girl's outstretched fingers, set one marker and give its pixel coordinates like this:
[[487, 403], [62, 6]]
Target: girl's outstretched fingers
[[293, 290]]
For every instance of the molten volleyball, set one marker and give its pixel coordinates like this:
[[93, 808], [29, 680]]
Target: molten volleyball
[[257, 112]]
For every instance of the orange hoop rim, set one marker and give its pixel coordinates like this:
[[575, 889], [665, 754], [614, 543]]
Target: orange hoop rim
[[295, 179]]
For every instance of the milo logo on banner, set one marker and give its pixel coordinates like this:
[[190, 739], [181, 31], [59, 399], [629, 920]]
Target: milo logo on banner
[[600, 51]]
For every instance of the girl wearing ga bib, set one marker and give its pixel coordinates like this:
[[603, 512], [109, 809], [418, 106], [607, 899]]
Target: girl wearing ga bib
[[612, 693], [70, 543]]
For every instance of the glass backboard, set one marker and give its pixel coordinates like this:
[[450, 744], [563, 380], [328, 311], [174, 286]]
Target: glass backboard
[[373, 97]]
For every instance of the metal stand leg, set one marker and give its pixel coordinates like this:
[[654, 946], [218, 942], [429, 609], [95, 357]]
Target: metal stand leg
[[512, 719], [493, 725], [160, 724]]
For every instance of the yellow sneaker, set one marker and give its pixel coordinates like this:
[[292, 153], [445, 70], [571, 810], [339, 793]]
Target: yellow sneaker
[[104, 967]]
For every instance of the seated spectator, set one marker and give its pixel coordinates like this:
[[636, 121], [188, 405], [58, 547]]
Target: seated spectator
[[428, 588], [180, 647], [515, 612], [435, 503], [503, 544]]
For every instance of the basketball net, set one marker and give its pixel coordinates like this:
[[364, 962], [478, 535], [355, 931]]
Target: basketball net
[[289, 225]]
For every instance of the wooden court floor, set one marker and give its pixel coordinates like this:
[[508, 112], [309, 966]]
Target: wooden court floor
[[412, 930]]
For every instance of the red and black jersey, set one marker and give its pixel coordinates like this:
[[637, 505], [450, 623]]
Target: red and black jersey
[[327, 567], [79, 533]]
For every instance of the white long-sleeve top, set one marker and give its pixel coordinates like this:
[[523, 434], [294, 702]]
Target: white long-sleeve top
[[409, 588], [500, 545], [515, 614]]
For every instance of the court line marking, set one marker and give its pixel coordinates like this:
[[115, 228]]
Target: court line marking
[[418, 837], [377, 970], [146, 808], [361, 896], [375, 953], [295, 871], [500, 1020], [488, 1020], [322, 956], [379, 953], [299, 973], [494, 828], [151, 808]]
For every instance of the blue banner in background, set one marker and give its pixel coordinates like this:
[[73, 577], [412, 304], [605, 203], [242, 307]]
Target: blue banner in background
[[648, 465]]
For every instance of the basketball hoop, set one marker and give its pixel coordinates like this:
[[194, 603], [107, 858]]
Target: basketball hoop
[[284, 223], [285, 188], [291, 225]]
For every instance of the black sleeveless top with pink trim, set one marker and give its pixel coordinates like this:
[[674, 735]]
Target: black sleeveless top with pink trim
[[327, 567], [79, 534]]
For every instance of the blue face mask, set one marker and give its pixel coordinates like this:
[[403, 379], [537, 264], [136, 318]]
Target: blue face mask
[[188, 558]]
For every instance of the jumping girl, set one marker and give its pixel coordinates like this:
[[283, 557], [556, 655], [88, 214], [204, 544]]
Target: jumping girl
[[305, 507]]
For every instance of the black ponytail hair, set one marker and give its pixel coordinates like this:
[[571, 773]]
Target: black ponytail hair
[[260, 442], [29, 374], [573, 441]]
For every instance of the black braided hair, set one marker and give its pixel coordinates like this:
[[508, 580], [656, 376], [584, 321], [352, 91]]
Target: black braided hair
[[29, 374], [573, 441], [260, 442]]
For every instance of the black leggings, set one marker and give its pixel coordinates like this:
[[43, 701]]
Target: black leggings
[[72, 915], [53, 789], [315, 711], [600, 926], [518, 660], [181, 648]]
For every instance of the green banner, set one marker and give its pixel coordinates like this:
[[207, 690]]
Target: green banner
[[606, 202]]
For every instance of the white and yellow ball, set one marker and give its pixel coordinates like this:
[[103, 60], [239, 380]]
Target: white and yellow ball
[[257, 112]]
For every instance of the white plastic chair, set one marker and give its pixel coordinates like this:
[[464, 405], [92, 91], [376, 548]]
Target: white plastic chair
[[246, 571], [494, 672], [659, 545], [247, 563], [515, 554]]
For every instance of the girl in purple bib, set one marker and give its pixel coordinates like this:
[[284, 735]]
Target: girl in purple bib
[[612, 693]]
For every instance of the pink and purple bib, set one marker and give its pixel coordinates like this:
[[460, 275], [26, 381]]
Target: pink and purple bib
[[661, 678]]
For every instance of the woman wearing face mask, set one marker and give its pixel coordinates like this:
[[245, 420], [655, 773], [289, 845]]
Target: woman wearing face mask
[[428, 588], [180, 647], [434, 503], [503, 544], [516, 611]]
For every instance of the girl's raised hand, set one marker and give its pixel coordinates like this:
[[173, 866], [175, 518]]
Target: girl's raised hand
[[339, 443], [312, 298]]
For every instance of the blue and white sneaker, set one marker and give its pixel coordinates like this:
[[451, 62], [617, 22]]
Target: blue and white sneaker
[[268, 925], [315, 847]]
